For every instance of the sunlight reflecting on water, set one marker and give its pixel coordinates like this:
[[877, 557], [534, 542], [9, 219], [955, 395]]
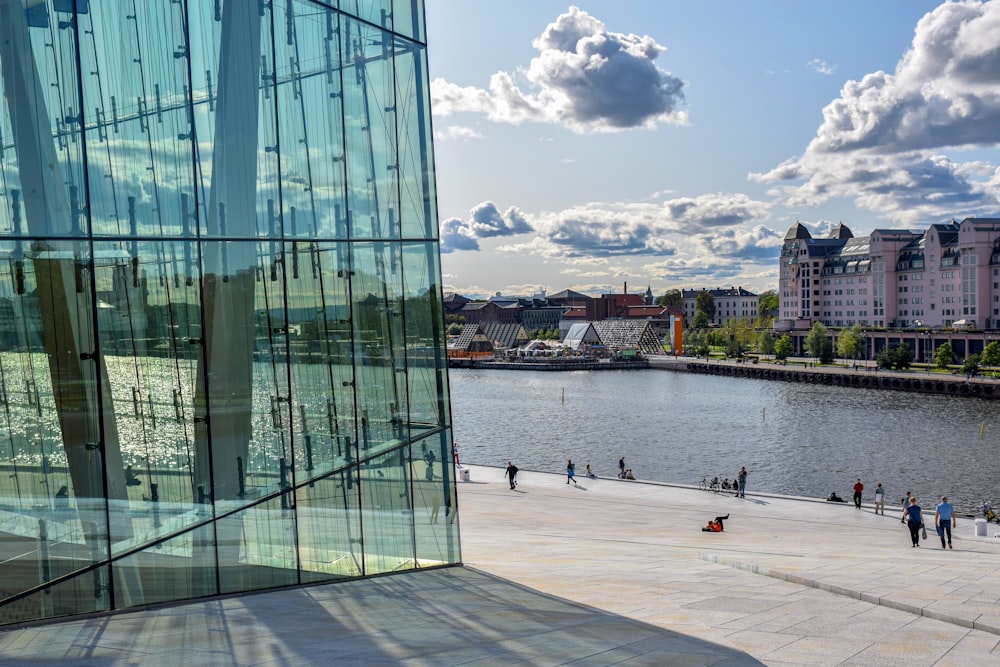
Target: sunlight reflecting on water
[[799, 439]]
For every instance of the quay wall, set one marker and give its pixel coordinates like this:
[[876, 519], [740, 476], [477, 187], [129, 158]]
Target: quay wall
[[947, 385], [555, 365]]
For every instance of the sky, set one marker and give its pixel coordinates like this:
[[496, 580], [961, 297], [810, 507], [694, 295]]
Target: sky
[[616, 144]]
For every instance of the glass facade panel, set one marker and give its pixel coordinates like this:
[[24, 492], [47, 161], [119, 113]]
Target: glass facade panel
[[370, 127], [434, 503], [181, 567], [329, 524], [221, 335], [387, 513], [426, 376], [418, 218]]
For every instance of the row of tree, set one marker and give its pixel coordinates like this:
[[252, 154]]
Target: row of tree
[[704, 307]]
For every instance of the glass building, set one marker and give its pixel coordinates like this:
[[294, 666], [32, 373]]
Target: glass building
[[222, 359]]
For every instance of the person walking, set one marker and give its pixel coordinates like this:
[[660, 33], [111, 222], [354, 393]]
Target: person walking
[[944, 520], [858, 489], [742, 480], [621, 467], [914, 519], [570, 472], [879, 499], [511, 474], [906, 503]]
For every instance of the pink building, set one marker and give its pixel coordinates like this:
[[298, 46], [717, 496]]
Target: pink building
[[947, 276]]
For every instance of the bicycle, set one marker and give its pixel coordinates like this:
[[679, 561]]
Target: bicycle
[[703, 484]]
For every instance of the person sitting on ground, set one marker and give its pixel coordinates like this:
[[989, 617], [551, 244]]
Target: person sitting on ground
[[834, 498], [628, 474], [590, 473], [716, 525]]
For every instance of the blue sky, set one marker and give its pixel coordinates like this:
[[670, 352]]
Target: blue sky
[[673, 143]]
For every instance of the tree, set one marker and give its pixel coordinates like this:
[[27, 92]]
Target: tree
[[454, 329], [768, 302], [903, 356], [818, 345], [783, 347], [694, 343], [765, 342], [699, 321], [705, 303], [673, 297], [971, 365], [849, 342], [944, 356], [899, 357], [738, 329], [767, 306], [990, 355], [734, 348]]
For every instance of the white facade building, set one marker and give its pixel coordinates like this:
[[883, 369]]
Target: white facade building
[[734, 302]]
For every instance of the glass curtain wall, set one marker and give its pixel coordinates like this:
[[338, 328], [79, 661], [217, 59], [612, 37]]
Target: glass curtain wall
[[222, 359]]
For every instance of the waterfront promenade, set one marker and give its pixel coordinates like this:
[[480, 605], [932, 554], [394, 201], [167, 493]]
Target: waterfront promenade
[[607, 573]]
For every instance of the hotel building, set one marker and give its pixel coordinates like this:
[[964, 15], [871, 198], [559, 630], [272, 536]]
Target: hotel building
[[222, 358], [945, 276]]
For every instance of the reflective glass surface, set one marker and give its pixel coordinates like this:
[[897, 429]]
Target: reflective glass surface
[[222, 359]]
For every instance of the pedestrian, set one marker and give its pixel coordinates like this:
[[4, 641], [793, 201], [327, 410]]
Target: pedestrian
[[879, 499], [742, 478], [621, 467], [858, 488], [511, 474], [914, 520], [906, 503], [62, 498], [944, 520], [429, 468], [570, 472]]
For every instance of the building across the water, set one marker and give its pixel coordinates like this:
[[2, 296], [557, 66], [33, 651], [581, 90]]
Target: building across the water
[[730, 303], [222, 353], [946, 276]]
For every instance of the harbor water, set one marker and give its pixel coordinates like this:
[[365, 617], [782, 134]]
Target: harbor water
[[793, 438]]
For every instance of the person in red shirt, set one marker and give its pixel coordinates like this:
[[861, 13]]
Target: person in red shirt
[[858, 488]]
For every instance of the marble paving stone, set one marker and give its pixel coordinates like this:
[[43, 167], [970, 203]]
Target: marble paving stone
[[597, 579]]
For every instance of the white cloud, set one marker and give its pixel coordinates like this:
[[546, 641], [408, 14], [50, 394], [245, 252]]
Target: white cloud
[[891, 141], [485, 221], [457, 132], [724, 225], [820, 66], [585, 77]]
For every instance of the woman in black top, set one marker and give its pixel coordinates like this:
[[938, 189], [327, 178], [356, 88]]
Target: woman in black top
[[914, 520]]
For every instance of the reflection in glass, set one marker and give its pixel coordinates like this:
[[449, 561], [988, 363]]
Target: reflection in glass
[[220, 326]]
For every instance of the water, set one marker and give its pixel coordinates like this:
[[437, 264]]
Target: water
[[798, 439]]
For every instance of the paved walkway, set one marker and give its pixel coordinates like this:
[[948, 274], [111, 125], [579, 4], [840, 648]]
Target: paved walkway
[[605, 573]]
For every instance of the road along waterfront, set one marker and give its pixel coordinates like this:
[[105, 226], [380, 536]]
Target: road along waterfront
[[794, 438]]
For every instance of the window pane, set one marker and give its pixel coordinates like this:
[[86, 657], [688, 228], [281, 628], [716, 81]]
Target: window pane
[[387, 516]]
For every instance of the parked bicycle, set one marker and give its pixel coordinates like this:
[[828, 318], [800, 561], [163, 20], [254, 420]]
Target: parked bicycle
[[717, 484]]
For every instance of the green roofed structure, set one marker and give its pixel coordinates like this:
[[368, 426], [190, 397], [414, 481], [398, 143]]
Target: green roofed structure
[[222, 354]]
